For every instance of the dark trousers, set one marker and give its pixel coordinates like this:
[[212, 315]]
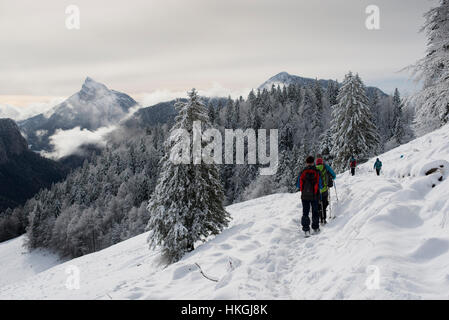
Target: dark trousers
[[378, 171], [305, 221], [322, 205], [353, 171]]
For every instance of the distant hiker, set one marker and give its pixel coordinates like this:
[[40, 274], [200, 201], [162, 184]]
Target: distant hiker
[[309, 183], [352, 165], [327, 177], [378, 166]]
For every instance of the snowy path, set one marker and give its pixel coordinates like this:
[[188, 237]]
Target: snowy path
[[394, 226]]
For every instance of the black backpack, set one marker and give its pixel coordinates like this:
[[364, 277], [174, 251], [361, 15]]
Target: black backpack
[[309, 183]]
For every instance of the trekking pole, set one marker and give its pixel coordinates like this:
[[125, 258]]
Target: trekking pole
[[322, 211], [336, 194], [330, 206]]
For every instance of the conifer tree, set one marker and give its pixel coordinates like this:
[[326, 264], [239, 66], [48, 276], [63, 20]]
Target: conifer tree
[[332, 92], [374, 106], [398, 122], [432, 102], [187, 205], [229, 113], [212, 113], [318, 91], [313, 125], [326, 145], [354, 133]]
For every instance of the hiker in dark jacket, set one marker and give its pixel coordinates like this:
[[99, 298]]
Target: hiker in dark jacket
[[378, 166], [326, 174], [352, 165], [309, 183]]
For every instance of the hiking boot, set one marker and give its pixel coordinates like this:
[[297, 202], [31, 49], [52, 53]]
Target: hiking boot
[[316, 231]]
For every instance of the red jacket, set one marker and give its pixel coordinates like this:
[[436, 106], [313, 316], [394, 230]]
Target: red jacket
[[353, 164]]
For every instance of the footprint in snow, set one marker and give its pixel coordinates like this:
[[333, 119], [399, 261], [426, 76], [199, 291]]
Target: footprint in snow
[[225, 246], [135, 295], [242, 237], [431, 249]]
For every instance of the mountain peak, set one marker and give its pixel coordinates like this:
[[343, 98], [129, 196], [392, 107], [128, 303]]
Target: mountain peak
[[285, 79], [281, 76], [93, 107], [91, 88], [91, 81]]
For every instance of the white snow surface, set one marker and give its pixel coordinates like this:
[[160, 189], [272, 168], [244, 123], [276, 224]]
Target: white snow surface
[[17, 264], [395, 226]]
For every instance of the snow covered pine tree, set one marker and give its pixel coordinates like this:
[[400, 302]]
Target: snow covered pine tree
[[398, 130], [187, 204], [354, 133], [432, 102]]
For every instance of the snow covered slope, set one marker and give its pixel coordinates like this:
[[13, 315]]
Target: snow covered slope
[[395, 226], [17, 264]]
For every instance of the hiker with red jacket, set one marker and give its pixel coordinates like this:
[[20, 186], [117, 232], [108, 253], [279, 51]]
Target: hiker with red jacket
[[352, 165], [309, 183]]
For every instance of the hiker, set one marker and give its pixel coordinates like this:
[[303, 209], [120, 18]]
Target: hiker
[[309, 183], [378, 166], [352, 165], [327, 177]]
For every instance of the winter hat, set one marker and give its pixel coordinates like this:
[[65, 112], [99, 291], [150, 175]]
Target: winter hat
[[319, 161]]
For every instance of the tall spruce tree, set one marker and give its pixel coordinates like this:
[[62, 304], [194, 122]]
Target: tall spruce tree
[[229, 113], [325, 147], [398, 123], [432, 102], [187, 205], [398, 120], [332, 92], [374, 106], [354, 133]]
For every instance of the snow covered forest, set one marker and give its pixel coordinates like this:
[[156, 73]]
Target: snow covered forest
[[104, 201]]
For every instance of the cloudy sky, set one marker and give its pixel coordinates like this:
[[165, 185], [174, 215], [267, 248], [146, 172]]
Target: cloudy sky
[[141, 46]]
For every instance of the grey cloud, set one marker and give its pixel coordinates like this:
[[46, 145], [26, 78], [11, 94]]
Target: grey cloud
[[142, 46]]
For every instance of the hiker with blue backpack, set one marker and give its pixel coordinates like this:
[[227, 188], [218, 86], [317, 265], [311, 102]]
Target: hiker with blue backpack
[[327, 177], [309, 183], [378, 166]]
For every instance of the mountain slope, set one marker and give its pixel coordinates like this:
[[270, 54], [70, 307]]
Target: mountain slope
[[22, 172], [285, 79], [163, 112], [395, 226], [11, 141], [93, 107]]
